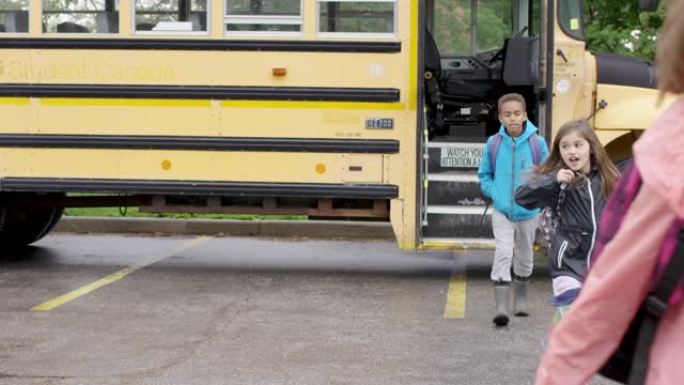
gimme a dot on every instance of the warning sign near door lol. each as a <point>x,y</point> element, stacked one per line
<point>462,155</point>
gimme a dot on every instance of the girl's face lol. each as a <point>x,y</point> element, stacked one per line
<point>575,152</point>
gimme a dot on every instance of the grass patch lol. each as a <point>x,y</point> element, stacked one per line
<point>135,213</point>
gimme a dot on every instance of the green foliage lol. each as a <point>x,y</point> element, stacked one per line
<point>494,24</point>
<point>453,22</point>
<point>452,26</point>
<point>611,26</point>
<point>618,26</point>
<point>14,5</point>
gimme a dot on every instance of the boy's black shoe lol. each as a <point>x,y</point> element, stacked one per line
<point>502,292</point>
<point>500,320</point>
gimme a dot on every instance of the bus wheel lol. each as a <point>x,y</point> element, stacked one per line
<point>23,225</point>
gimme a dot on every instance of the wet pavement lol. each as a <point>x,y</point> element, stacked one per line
<point>105,309</point>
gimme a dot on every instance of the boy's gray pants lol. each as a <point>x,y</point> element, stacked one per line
<point>513,245</point>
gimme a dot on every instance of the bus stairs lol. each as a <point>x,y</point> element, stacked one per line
<point>454,206</point>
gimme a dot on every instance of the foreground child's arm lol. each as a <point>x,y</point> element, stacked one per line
<point>540,191</point>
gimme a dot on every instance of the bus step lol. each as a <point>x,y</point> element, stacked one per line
<point>458,222</point>
<point>462,189</point>
<point>458,243</point>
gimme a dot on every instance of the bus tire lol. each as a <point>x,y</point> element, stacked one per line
<point>22,225</point>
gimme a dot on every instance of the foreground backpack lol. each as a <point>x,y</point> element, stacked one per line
<point>629,362</point>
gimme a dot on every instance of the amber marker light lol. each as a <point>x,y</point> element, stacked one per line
<point>166,165</point>
<point>320,168</point>
<point>279,71</point>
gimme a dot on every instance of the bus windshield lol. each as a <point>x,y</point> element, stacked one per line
<point>469,27</point>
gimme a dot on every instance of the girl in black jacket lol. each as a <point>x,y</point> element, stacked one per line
<point>574,182</point>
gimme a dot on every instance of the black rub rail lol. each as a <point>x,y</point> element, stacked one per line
<point>202,143</point>
<point>201,45</point>
<point>201,92</point>
<point>171,187</point>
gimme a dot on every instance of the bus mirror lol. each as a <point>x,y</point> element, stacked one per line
<point>648,5</point>
<point>521,61</point>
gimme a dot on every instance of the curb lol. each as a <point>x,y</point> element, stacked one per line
<point>218,227</point>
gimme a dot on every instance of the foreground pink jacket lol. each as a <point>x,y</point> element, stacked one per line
<point>622,276</point>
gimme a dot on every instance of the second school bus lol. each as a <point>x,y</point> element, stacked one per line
<point>373,109</point>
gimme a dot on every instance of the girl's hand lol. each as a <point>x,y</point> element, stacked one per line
<point>565,176</point>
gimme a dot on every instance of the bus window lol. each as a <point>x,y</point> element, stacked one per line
<point>171,16</point>
<point>357,16</point>
<point>570,18</point>
<point>269,16</point>
<point>81,16</point>
<point>14,16</point>
<point>458,32</point>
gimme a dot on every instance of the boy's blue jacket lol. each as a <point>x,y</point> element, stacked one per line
<point>513,165</point>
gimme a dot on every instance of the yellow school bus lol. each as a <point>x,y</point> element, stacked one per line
<point>368,109</point>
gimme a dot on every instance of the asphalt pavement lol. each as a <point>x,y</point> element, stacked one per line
<point>123,309</point>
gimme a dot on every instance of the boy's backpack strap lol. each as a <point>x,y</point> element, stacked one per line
<point>655,305</point>
<point>493,151</point>
<point>535,149</point>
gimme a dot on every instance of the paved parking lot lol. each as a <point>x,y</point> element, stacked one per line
<point>98,310</point>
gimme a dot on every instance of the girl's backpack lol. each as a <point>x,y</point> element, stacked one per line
<point>548,221</point>
<point>629,363</point>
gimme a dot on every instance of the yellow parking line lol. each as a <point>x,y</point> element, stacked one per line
<point>72,295</point>
<point>456,297</point>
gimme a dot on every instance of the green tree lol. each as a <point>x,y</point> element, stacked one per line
<point>452,26</point>
<point>618,26</point>
<point>494,24</point>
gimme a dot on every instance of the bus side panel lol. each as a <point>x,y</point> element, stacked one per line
<point>628,107</point>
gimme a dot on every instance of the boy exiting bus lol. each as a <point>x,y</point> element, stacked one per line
<point>508,155</point>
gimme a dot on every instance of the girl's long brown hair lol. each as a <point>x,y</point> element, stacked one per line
<point>598,157</point>
<point>671,50</point>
